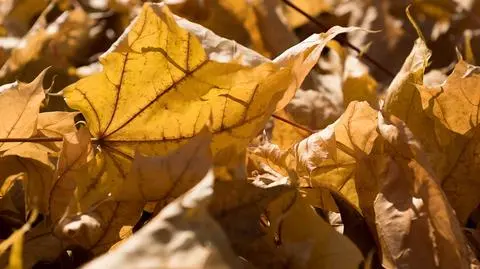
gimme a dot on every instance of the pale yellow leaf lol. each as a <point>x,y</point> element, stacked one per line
<point>20,121</point>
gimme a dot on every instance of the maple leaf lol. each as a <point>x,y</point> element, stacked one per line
<point>178,103</point>
<point>25,121</point>
<point>21,120</point>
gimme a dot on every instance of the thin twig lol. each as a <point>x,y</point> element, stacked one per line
<point>342,41</point>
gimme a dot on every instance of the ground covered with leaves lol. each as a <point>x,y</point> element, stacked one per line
<point>207,134</point>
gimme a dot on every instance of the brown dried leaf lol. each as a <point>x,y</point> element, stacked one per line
<point>415,223</point>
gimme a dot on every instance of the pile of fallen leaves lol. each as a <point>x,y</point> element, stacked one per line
<point>205,134</point>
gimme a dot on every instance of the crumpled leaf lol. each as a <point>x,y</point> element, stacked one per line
<point>404,101</point>
<point>182,235</point>
<point>328,159</point>
<point>452,107</point>
<point>415,223</point>
<point>379,180</point>
<point>448,113</point>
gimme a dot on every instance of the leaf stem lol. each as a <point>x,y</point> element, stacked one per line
<point>35,139</point>
<point>93,139</point>
<point>31,139</point>
<point>296,125</point>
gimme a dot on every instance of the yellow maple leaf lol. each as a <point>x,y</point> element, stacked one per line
<point>159,88</point>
